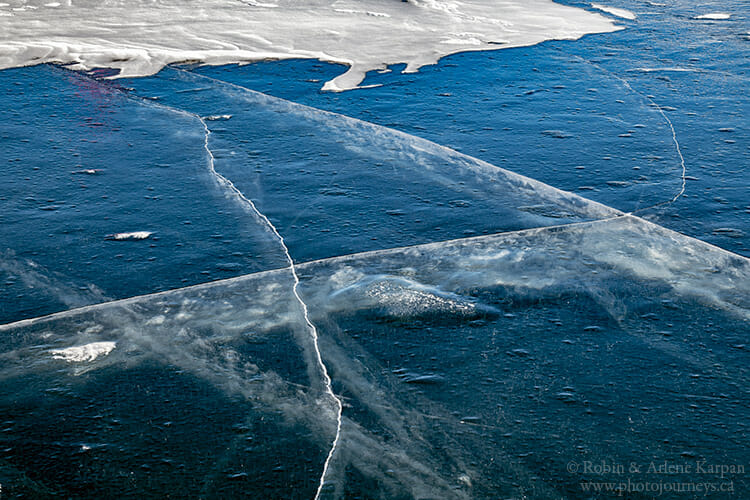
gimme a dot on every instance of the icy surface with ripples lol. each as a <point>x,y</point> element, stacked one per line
<point>463,283</point>
<point>454,360</point>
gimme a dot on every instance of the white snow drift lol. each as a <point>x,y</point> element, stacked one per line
<point>139,37</point>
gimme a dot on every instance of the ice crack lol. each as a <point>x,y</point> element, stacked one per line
<point>295,289</point>
<point>669,123</point>
<point>674,139</point>
<point>229,185</point>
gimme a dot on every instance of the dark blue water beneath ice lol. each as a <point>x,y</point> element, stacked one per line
<point>480,368</point>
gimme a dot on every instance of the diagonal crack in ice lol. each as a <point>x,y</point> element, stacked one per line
<point>674,140</point>
<point>669,123</point>
<point>371,253</point>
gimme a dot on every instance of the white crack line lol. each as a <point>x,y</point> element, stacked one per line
<point>311,327</point>
<point>666,119</point>
<point>295,289</point>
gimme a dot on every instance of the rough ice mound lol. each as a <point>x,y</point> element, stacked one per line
<point>507,346</point>
<point>134,37</point>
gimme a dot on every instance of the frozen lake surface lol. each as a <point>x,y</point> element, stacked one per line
<point>486,279</point>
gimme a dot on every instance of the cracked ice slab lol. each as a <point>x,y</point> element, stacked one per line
<point>335,185</point>
<point>614,302</point>
<point>151,201</point>
<point>332,185</point>
<point>134,37</point>
<point>313,341</point>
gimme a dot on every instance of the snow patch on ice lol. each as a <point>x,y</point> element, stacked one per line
<point>132,37</point>
<point>135,235</point>
<point>84,353</point>
<point>215,118</point>
<point>625,14</point>
<point>715,16</point>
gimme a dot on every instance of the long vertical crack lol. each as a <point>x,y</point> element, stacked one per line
<point>295,289</point>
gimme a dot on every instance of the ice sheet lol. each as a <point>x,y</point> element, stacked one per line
<point>479,367</point>
<point>332,185</point>
<point>134,37</point>
<point>351,185</point>
<point>92,208</point>
<point>448,391</point>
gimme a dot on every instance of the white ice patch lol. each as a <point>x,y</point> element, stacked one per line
<point>84,353</point>
<point>215,118</point>
<point>715,16</point>
<point>134,37</point>
<point>666,69</point>
<point>625,14</point>
<point>135,235</point>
